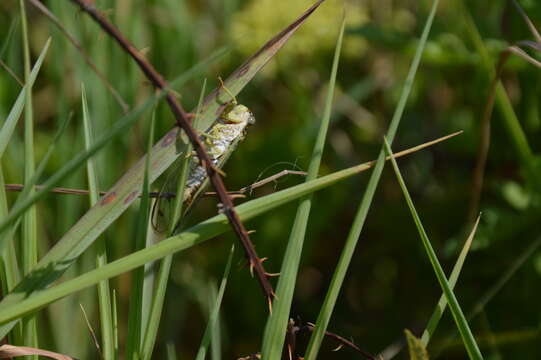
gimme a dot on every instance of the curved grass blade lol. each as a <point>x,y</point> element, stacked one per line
<point>273,339</point>
<point>358,223</point>
<point>462,324</point>
<point>104,292</point>
<point>127,189</point>
<point>16,305</point>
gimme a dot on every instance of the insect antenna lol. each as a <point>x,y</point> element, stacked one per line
<point>222,86</point>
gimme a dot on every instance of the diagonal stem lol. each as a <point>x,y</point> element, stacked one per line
<point>183,122</point>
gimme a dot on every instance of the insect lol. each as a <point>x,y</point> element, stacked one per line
<point>220,140</point>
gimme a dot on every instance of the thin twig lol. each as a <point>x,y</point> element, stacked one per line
<point>183,122</point>
<point>341,340</point>
<point>169,195</point>
<point>92,332</point>
<point>166,195</point>
<point>291,337</point>
<point>11,72</point>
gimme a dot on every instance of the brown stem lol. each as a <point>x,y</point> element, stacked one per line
<point>182,121</point>
<point>341,340</point>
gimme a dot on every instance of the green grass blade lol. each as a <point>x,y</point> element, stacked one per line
<point>358,223</point>
<point>185,169</point>
<point>10,272</point>
<point>509,117</point>
<point>213,318</point>
<point>498,286</point>
<point>417,350</point>
<point>135,322</point>
<point>9,36</point>
<point>13,117</point>
<point>507,275</point>
<point>215,333</point>
<point>114,310</point>
<point>442,303</point>
<point>104,292</point>
<point>162,278</point>
<point>18,303</point>
<point>273,339</point>
<point>29,236</point>
<point>458,315</point>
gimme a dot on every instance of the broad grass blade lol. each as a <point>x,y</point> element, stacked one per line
<point>273,339</point>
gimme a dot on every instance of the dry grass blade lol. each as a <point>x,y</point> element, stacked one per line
<point>528,22</point>
<point>9,351</point>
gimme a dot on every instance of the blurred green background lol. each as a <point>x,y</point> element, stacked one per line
<point>390,285</point>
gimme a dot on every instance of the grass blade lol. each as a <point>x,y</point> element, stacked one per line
<point>442,303</point>
<point>135,322</point>
<point>274,337</point>
<point>458,315</point>
<point>10,273</point>
<point>358,223</point>
<point>16,110</point>
<point>417,350</point>
<point>19,304</point>
<point>104,292</point>
<point>29,236</point>
<point>165,265</point>
<point>213,318</point>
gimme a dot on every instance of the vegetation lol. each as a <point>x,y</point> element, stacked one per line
<point>371,253</point>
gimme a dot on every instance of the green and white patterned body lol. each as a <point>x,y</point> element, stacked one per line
<point>225,133</point>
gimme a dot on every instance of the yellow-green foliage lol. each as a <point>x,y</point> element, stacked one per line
<point>416,349</point>
<point>259,20</point>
